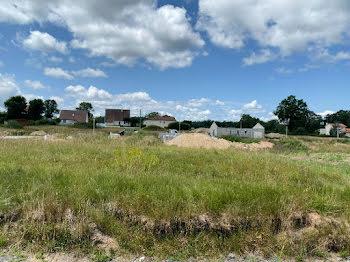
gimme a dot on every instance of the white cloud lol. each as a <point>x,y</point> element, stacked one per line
<point>289,26</point>
<point>264,56</point>
<point>283,70</point>
<point>8,88</point>
<point>325,56</point>
<point>55,59</point>
<point>44,42</point>
<point>89,72</point>
<point>32,97</point>
<point>252,106</point>
<point>35,84</point>
<point>124,31</point>
<point>57,73</point>
<point>325,113</point>
<point>71,59</point>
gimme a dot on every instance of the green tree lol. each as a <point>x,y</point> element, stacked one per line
<point>152,114</point>
<point>50,108</point>
<point>87,107</point>
<point>342,116</point>
<point>249,121</point>
<point>183,126</point>
<point>16,106</point>
<point>36,109</point>
<point>295,110</point>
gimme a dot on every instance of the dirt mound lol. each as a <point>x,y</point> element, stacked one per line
<point>201,131</point>
<point>274,135</point>
<point>38,133</point>
<point>196,140</point>
<point>4,133</point>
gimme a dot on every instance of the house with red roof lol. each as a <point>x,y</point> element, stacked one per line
<point>161,121</point>
<point>329,126</point>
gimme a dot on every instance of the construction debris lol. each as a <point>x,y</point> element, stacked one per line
<point>38,133</point>
<point>195,140</point>
<point>274,135</point>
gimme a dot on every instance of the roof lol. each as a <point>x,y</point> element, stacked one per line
<point>162,118</point>
<point>340,125</point>
<point>117,115</point>
<point>347,130</point>
<point>78,115</point>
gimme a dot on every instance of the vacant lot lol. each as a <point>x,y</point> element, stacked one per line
<point>134,195</point>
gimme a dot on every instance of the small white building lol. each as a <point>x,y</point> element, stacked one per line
<point>69,117</point>
<point>258,131</point>
<point>161,121</point>
<point>327,129</point>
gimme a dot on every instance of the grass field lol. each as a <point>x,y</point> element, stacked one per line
<point>290,201</point>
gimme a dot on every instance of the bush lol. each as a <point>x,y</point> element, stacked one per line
<point>13,124</point>
<point>183,126</point>
<point>246,140</point>
<point>300,131</point>
<point>41,122</point>
<point>153,128</point>
<point>290,144</point>
<point>3,117</point>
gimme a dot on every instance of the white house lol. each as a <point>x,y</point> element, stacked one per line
<point>258,131</point>
<point>69,117</point>
<point>327,129</point>
<point>161,121</point>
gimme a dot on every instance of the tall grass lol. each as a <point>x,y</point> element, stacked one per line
<point>142,177</point>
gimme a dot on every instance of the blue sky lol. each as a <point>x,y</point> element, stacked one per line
<point>194,59</point>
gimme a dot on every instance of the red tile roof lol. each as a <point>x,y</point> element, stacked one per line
<point>340,125</point>
<point>77,115</point>
<point>347,130</point>
<point>117,115</point>
<point>162,118</point>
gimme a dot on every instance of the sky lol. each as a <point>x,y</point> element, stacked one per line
<point>193,59</point>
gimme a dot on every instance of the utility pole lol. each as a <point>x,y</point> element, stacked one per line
<point>179,125</point>
<point>93,125</point>
<point>286,130</point>
<point>140,120</point>
<point>337,127</point>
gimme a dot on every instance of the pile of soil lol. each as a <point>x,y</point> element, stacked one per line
<point>274,135</point>
<point>4,133</point>
<point>197,140</point>
<point>38,133</point>
<point>201,131</point>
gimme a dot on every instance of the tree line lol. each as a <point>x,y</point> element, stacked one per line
<point>290,111</point>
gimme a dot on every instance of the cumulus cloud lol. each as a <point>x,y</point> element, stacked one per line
<point>35,84</point>
<point>252,106</point>
<point>289,26</point>
<point>283,70</point>
<point>264,56</point>
<point>124,31</point>
<point>55,59</point>
<point>57,72</point>
<point>102,99</point>
<point>8,88</point>
<point>44,42</point>
<point>89,72</point>
<point>325,113</point>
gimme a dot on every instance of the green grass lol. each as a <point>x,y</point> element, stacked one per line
<point>245,140</point>
<point>41,180</point>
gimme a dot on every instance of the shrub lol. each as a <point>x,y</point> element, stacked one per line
<point>246,140</point>
<point>183,126</point>
<point>290,144</point>
<point>153,128</point>
<point>45,122</point>
<point>135,159</point>
<point>13,124</point>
